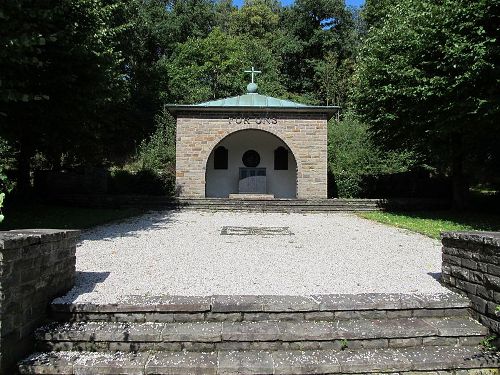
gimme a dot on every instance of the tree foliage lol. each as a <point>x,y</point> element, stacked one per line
<point>256,19</point>
<point>375,11</point>
<point>428,78</point>
<point>61,78</point>
<point>315,31</point>
<point>352,154</point>
<point>213,67</point>
<point>85,81</point>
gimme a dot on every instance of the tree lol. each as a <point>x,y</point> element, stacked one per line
<point>213,67</point>
<point>428,79</point>
<point>353,154</point>
<point>59,75</point>
<point>256,18</point>
<point>313,31</point>
<point>190,18</point>
<point>223,12</point>
<point>374,11</point>
<point>333,78</point>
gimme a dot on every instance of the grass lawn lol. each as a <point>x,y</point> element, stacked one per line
<point>432,223</point>
<point>60,217</point>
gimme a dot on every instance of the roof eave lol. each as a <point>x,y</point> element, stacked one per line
<point>330,111</point>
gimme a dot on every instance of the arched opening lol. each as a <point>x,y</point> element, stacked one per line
<point>251,166</point>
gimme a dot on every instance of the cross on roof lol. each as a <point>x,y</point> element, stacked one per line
<point>254,72</point>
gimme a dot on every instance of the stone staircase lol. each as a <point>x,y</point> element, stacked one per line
<point>283,205</point>
<point>257,205</point>
<point>328,334</point>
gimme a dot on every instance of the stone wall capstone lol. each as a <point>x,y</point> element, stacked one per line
<point>471,266</point>
<point>199,133</point>
<point>35,267</point>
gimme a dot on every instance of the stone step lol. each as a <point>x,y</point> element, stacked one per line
<point>258,308</point>
<point>395,361</point>
<point>271,206</point>
<point>283,205</point>
<point>283,209</point>
<point>283,202</point>
<point>301,205</point>
<point>203,336</point>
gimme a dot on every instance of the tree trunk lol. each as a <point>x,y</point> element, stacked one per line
<point>459,186</point>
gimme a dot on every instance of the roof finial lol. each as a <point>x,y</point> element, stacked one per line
<point>252,87</point>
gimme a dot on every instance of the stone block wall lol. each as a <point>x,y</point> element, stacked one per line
<point>35,267</point>
<point>199,133</point>
<point>471,266</point>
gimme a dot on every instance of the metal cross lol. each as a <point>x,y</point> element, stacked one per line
<point>253,71</point>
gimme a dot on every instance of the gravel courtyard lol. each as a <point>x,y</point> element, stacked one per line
<point>195,253</point>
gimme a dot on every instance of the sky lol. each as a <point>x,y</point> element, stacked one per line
<point>288,2</point>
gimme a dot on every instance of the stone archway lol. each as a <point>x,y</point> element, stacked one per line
<point>198,133</point>
<point>224,177</point>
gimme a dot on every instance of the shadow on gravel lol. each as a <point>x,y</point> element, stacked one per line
<point>85,282</point>
<point>435,275</point>
<point>131,227</point>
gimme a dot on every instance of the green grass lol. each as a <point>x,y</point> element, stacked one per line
<point>433,223</point>
<point>60,217</point>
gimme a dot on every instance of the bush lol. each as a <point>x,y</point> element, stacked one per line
<point>417,183</point>
<point>144,182</point>
<point>352,155</point>
<point>153,170</point>
<point>157,153</point>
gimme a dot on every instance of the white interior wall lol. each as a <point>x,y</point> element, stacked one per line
<point>221,183</point>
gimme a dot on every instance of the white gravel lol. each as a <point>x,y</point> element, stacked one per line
<point>184,253</point>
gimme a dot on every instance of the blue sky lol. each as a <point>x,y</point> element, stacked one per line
<point>288,2</point>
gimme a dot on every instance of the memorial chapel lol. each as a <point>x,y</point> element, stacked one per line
<point>252,146</point>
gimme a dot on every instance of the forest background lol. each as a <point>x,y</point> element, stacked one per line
<point>83,84</point>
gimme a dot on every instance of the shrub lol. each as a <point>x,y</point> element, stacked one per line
<point>152,171</point>
<point>352,154</point>
<point>157,153</point>
<point>141,182</point>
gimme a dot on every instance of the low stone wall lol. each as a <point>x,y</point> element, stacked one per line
<point>471,266</point>
<point>35,267</point>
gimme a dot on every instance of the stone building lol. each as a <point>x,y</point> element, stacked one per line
<point>252,145</point>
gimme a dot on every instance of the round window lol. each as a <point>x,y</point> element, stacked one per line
<point>251,159</point>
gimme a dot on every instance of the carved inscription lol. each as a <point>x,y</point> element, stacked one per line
<point>253,120</point>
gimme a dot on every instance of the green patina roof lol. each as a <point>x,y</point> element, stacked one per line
<point>251,100</point>
<point>252,103</point>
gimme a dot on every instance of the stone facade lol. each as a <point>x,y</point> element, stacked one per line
<point>471,266</point>
<point>35,267</point>
<point>198,133</point>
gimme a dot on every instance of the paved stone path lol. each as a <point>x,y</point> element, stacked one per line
<point>209,253</point>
